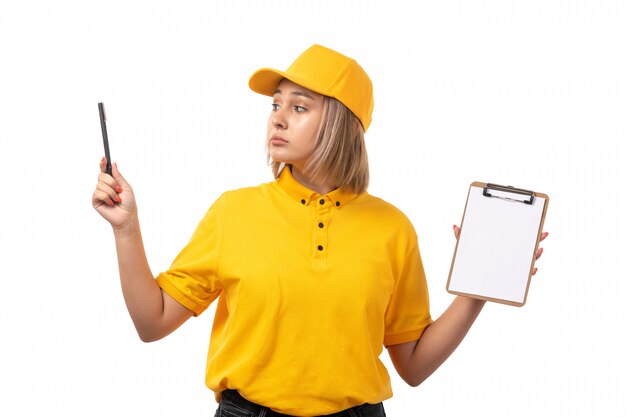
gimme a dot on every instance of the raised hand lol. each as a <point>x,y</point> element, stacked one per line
<point>113,197</point>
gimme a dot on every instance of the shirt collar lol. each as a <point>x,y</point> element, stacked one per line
<point>338,197</point>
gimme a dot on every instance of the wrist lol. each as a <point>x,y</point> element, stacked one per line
<point>127,229</point>
<point>471,304</point>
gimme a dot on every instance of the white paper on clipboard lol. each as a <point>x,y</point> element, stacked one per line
<point>500,233</point>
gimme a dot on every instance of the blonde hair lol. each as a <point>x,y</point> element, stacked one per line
<point>340,157</point>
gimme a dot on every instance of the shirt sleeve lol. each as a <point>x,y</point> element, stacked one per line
<point>408,311</point>
<point>193,278</point>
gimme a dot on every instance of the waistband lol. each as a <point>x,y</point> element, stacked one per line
<point>234,397</point>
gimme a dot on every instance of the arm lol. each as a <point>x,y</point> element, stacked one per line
<point>154,313</point>
<point>418,359</point>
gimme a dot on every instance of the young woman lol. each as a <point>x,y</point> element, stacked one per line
<point>314,275</point>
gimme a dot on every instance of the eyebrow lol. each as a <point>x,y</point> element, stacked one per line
<point>295,93</point>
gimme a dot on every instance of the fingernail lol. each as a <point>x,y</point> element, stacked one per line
<point>110,202</point>
<point>118,189</point>
<point>118,199</point>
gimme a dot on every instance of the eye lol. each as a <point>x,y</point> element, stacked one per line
<point>299,109</point>
<point>275,106</point>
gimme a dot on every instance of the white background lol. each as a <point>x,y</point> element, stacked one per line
<point>526,93</point>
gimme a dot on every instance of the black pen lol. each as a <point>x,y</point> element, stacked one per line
<point>105,137</point>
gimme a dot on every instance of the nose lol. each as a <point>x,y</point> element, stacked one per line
<point>278,119</point>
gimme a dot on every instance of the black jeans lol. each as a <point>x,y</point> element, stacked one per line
<point>234,405</point>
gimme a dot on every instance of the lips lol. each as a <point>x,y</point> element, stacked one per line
<point>277,140</point>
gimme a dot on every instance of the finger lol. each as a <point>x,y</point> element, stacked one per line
<point>100,197</point>
<point>104,176</point>
<point>535,270</point>
<point>108,180</point>
<point>456,230</point>
<point>119,178</point>
<point>110,192</point>
<point>103,164</point>
<point>538,253</point>
<point>543,236</point>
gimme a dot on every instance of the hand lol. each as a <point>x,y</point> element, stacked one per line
<point>540,250</point>
<point>114,198</point>
<point>457,232</point>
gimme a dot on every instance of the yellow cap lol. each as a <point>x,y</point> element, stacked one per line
<point>326,72</point>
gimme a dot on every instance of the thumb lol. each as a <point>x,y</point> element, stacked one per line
<point>118,177</point>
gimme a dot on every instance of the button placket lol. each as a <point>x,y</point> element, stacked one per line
<point>320,241</point>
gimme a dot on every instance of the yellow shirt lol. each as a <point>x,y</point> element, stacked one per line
<point>310,289</point>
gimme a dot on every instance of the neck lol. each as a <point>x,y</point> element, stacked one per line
<point>304,179</point>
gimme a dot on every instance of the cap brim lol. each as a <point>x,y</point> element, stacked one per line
<point>266,80</point>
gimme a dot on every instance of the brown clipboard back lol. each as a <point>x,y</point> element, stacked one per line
<point>500,234</point>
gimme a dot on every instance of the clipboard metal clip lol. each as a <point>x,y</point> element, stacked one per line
<point>508,189</point>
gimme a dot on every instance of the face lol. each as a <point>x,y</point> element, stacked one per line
<point>293,124</point>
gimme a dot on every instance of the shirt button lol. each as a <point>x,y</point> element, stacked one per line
<point>320,248</point>
<point>337,203</point>
<point>303,201</point>
<point>322,201</point>
<point>320,225</point>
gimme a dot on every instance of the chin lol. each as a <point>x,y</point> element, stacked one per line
<point>278,158</point>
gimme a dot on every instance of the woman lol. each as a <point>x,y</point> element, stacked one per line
<point>314,275</point>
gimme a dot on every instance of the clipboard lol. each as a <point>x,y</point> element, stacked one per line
<point>495,252</point>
